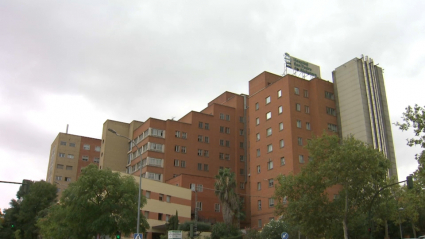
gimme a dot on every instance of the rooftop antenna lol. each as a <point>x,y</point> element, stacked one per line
<point>67,126</point>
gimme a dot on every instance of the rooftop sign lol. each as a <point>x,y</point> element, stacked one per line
<point>302,66</point>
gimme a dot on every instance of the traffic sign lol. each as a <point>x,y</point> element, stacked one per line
<point>175,234</point>
<point>138,236</point>
<point>284,235</point>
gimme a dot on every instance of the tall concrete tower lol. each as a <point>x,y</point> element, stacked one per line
<point>362,108</point>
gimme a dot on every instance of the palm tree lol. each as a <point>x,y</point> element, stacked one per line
<point>225,185</point>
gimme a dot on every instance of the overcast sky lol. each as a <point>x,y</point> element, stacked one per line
<point>82,62</point>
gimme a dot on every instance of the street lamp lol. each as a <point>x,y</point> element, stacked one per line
<point>140,177</point>
<point>399,220</point>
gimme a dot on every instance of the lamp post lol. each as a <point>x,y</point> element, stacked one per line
<point>140,178</point>
<point>399,220</point>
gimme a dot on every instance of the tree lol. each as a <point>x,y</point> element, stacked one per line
<point>225,186</point>
<point>224,230</point>
<point>350,165</point>
<point>40,196</point>
<point>274,229</point>
<point>201,226</point>
<point>99,202</point>
<point>173,222</point>
<point>10,220</point>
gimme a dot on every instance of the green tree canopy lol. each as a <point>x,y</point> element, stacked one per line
<point>224,230</point>
<point>99,202</point>
<point>274,229</point>
<point>349,166</point>
<point>225,189</point>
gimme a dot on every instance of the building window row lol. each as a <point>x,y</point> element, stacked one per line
<point>330,111</point>
<point>205,168</point>
<point>182,135</point>
<point>329,95</point>
<point>153,176</point>
<point>224,156</point>
<point>202,152</point>
<point>70,144</point>
<point>297,92</point>
<point>333,127</point>
<point>224,117</point>
<point>223,142</point>
<point>61,166</point>
<point>201,125</point>
<point>149,132</point>
<point>66,179</point>
<point>224,130</point>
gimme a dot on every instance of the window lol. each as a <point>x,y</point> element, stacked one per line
<point>177,148</point>
<point>270,165</point>
<point>279,93</point>
<point>70,156</point>
<point>301,158</point>
<point>258,152</point>
<point>227,157</point>
<point>269,148</point>
<point>222,116</point>
<point>183,164</point>
<point>160,216</point>
<point>306,93</point>
<point>192,187</point>
<point>298,123</point>
<point>257,106</point>
<point>177,134</point>
<point>242,185</point>
<point>241,145</point>
<point>207,126</point>
<point>227,130</point>
<point>271,182</point>
<point>280,109</point>
<point>271,202</point>
<point>221,142</point>
<point>86,147</point>
<point>258,136</point>
<point>59,166</point>
<point>227,143</point>
<point>161,197</point>
<point>329,95</point>
<point>281,143</point>
<point>307,125</point>
<point>241,158</point>
<point>258,169</point>
<point>240,131</point>
<point>257,121</point>
<point>200,138</point>
<point>199,206</point>
<point>146,214</point>
<point>148,194</point>
<point>297,91</point>
<point>221,155</point>
<point>207,139</point>
<point>269,131</point>
<point>85,158</point>
<point>67,179</point>
<point>307,109</point>
<point>206,153</point>
<point>268,99</point>
<point>300,141</point>
<point>200,125</point>
<point>268,115</point>
<point>176,162</point>
<point>217,207</point>
<point>259,206</point>
<point>71,144</point>
<point>282,161</point>
<point>168,198</point>
<point>241,119</point>
<point>61,155</point>
<point>260,223</point>
<point>298,107</point>
<point>241,171</point>
<point>280,126</point>
<point>330,111</point>
<point>228,117</point>
<point>184,135</point>
<point>259,186</point>
<point>221,129</point>
<point>96,160</point>
<point>68,167</point>
<point>167,217</point>
<point>199,166</point>
<point>199,152</point>
<point>58,178</point>
<point>184,149</point>
<point>333,127</point>
<point>63,143</point>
